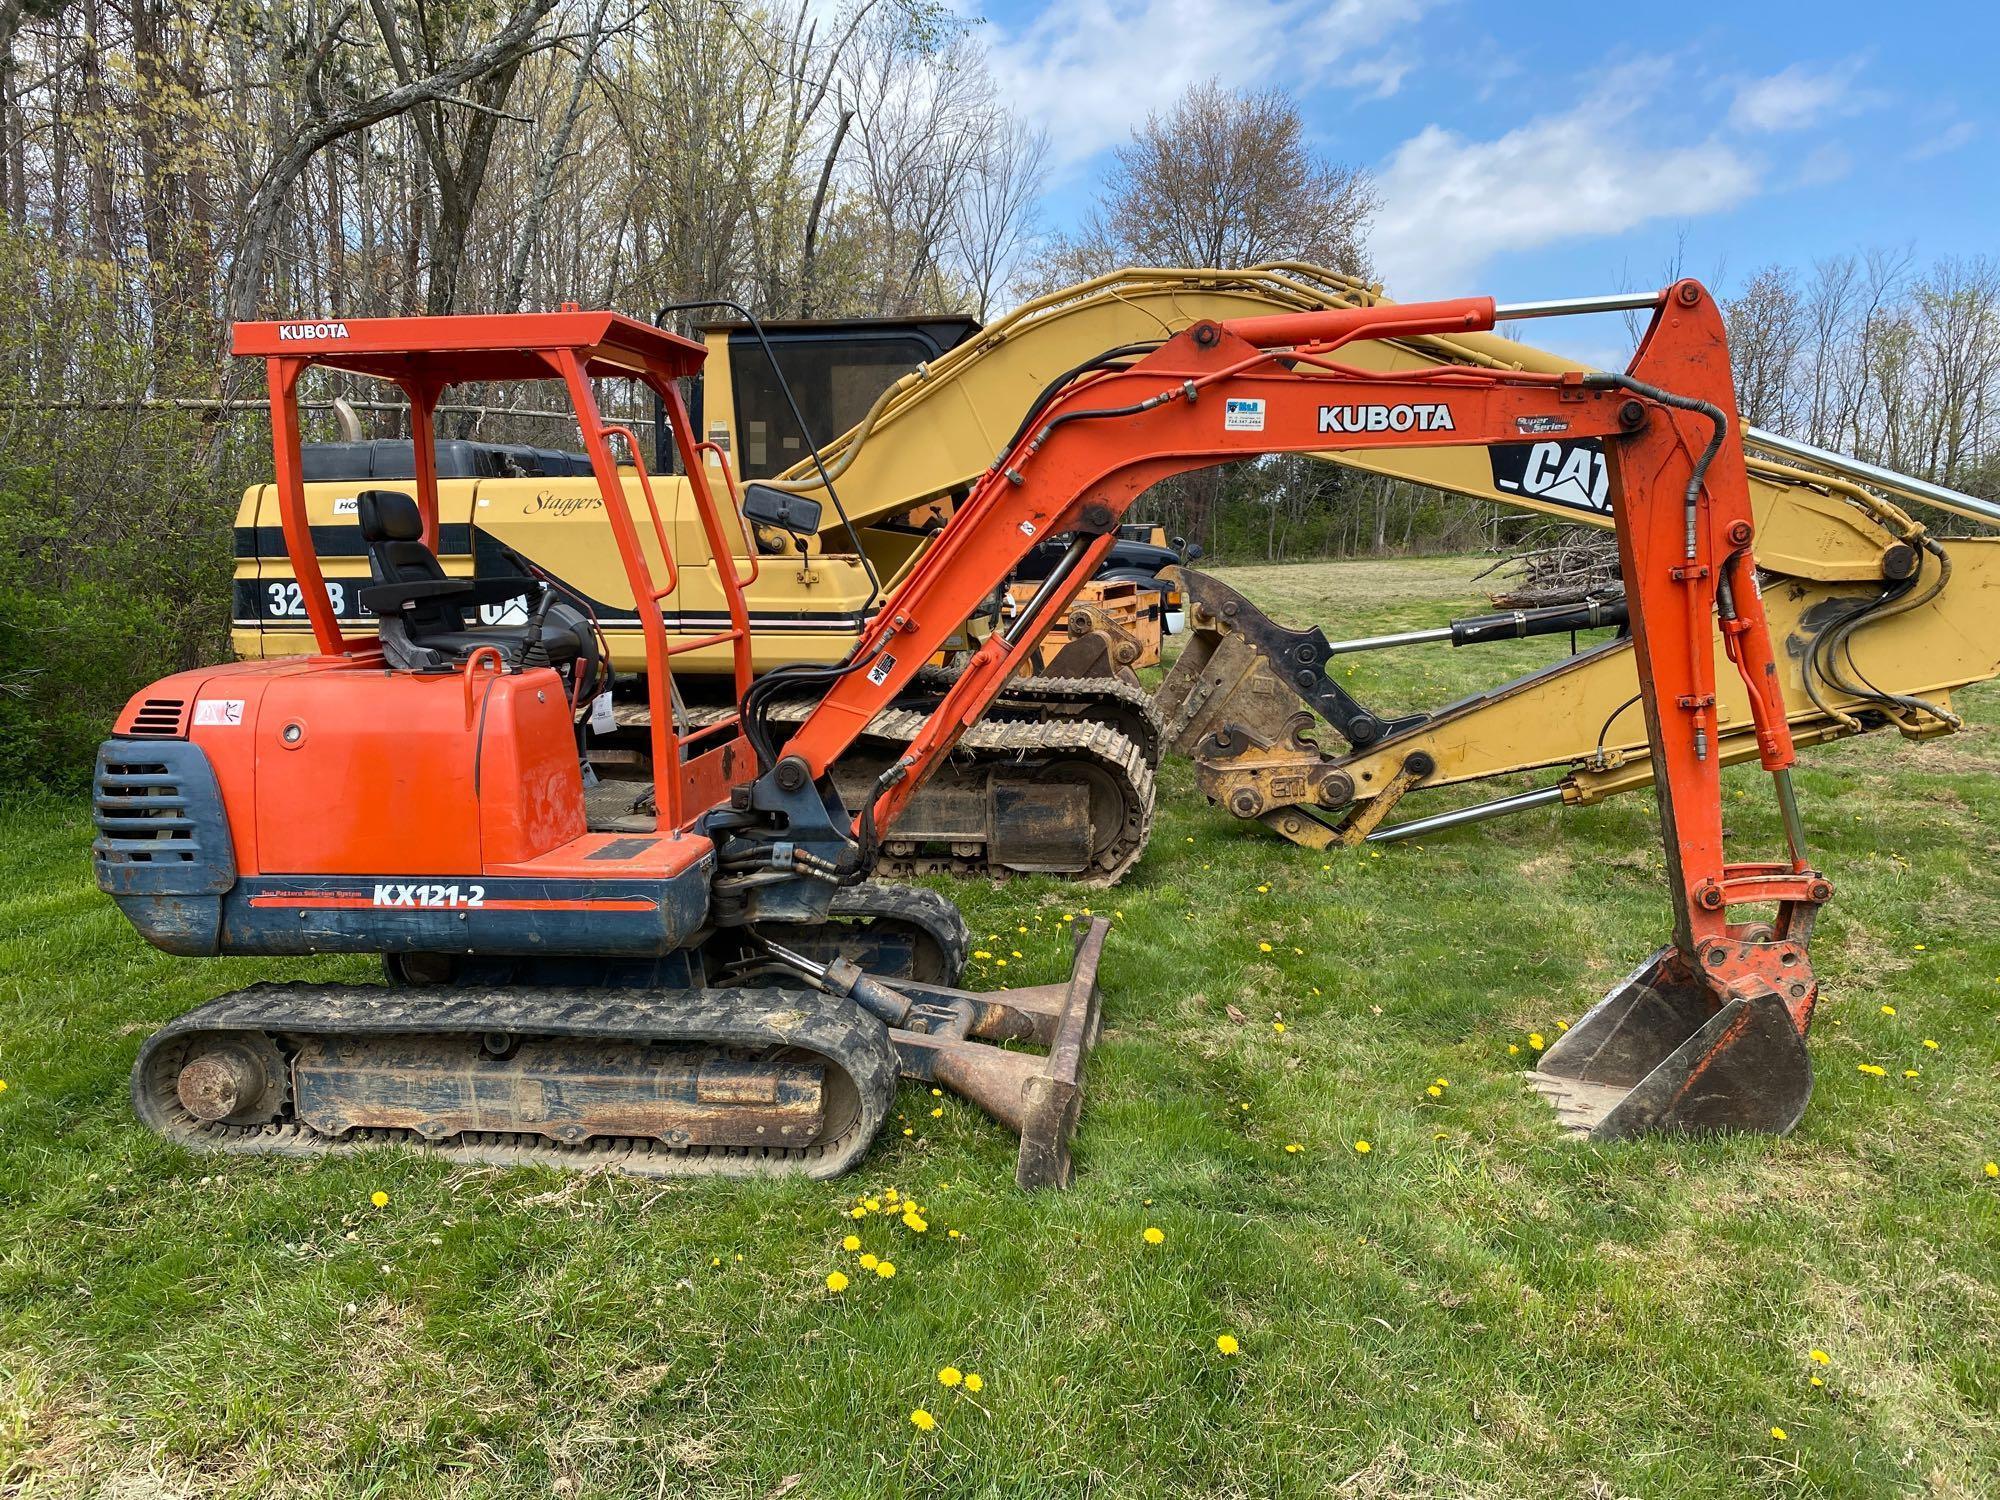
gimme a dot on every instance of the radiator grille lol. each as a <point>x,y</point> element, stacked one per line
<point>142,815</point>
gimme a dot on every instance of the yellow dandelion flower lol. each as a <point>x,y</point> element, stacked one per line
<point>1263,947</point>
<point>1000,963</point>
<point>949,1376</point>
<point>939,1094</point>
<point>1020,929</point>
<point>872,1204</point>
<point>851,1243</point>
<point>1443,1083</point>
<point>1435,1092</point>
<point>954,1234</point>
<point>1153,1236</point>
<point>3,1085</point>
<point>869,1262</point>
<point>909,1130</point>
<point>1513,1050</point>
<point>1930,1045</point>
<point>1562,1026</point>
<point>379,1198</point>
<point>857,1212</point>
<point>1779,1433</point>
<point>1820,1357</point>
<point>937,1114</point>
<point>1817,1381</point>
<point>885,1269</point>
<point>981,953</point>
<point>1278,1027</point>
<point>1888,1010</point>
<point>1069,916</point>
<point>715,1260</point>
<point>836,1281</point>
<point>1244,1105</point>
<point>1226,1342</point>
<point>922,1420</point>
<point>1263,890</point>
<point>1911,1073</point>
<point>1293,1148</point>
<point>1871,1070</point>
<point>915,1224</point>
<point>1993,1169</point>
<point>1363,1148</point>
<point>1537,1040</point>
<point>974,1382</point>
<point>1919,947</point>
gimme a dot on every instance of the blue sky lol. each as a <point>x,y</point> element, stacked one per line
<point>1532,150</point>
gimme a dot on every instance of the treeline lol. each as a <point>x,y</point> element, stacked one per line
<point>167,166</point>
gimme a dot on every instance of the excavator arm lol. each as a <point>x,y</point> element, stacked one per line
<point>1709,1032</point>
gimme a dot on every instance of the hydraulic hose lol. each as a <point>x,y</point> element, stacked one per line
<point>1605,380</point>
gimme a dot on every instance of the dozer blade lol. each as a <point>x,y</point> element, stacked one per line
<point>1038,1097</point>
<point>1656,1054</point>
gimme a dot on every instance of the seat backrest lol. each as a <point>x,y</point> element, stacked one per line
<point>393,527</point>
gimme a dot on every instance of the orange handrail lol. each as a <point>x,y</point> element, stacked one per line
<point>736,505</point>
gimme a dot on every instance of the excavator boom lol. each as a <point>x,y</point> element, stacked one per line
<point>1709,1032</point>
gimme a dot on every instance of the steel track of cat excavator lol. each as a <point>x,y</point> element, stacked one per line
<point>1057,779</point>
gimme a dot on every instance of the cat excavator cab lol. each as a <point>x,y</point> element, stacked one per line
<point>724,991</point>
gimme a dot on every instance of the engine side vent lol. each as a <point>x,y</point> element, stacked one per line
<point>160,719</point>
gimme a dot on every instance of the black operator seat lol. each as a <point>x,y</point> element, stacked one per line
<point>420,610</point>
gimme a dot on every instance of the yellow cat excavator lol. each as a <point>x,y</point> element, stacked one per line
<point>1878,621</point>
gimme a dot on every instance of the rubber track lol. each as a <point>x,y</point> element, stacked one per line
<point>840,1033</point>
<point>935,915</point>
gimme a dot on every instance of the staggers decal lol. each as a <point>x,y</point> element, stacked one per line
<point>429,895</point>
<point>1570,474</point>
<point>289,331</point>
<point>1409,416</point>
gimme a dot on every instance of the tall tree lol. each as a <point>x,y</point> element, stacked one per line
<point>1224,179</point>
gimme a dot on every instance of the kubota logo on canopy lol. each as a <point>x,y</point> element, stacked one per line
<point>289,331</point>
<point>1418,416</point>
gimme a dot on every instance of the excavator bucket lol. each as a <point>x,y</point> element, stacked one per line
<point>1658,1054</point>
<point>949,1043</point>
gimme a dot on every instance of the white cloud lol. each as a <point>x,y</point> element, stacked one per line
<point>1949,139</point>
<point>1449,204</point>
<point>1799,97</point>
<point>1091,70</point>
<point>1824,164</point>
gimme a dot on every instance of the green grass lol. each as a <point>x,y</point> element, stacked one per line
<point>1475,1307</point>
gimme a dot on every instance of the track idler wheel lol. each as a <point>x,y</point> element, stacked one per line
<point>1659,1054</point>
<point>231,1080</point>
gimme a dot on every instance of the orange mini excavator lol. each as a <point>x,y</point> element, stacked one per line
<point>726,992</point>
